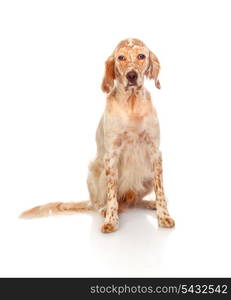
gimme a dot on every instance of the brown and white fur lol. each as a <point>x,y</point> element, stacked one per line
<point>128,164</point>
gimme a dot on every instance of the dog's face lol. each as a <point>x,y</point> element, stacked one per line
<point>129,64</point>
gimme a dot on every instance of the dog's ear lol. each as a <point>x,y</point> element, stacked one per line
<point>153,69</point>
<point>109,75</point>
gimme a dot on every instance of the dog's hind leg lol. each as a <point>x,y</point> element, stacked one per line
<point>150,204</point>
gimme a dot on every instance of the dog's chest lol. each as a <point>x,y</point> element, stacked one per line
<point>135,167</point>
<point>139,129</point>
<point>132,123</point>
<point>134,132</point>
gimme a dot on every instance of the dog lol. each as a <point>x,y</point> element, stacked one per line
<point>128,164</point>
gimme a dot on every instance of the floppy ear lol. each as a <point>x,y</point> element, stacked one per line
<point>153,69</point>
<point>109,75</point>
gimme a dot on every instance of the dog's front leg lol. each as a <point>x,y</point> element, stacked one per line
<point>111,170</point>
<point>164,219</point>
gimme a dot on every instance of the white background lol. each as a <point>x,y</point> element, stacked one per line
<point>52,56</point>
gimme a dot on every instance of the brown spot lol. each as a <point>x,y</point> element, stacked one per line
<point>126,43</point>
<point>142,134</point>
<point>108,227</point>
<point>167,222</point>
<point>117,142</point>
<point>96,167</point>
<point>110,181</point>
<point>127,200</point>
<point>132,100</point>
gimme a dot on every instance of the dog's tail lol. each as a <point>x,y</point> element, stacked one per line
<point>55,208</point>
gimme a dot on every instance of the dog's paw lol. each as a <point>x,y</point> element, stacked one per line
<point>151,205</point>
<point>166,222</point>
<point>108,227</point>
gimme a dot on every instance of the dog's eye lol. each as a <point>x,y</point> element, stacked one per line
<point>121,57</point>
<point>141,56</point>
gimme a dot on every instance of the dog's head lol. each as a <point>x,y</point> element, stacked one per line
<point>130,62</point>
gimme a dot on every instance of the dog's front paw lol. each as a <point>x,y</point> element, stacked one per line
<point>108,227</point>
<point>166,222</point>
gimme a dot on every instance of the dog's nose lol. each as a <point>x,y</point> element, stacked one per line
<point>131,76</point>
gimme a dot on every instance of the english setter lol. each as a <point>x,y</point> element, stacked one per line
<point>128,164</point>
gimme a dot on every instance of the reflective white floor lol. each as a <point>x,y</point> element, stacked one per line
<point>74,246</point>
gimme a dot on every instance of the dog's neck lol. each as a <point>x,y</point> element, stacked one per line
<point>135,101</point>
<point>126,93</point>
<point>132,104</point>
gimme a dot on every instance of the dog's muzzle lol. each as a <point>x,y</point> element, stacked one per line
<point>132,77</point>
